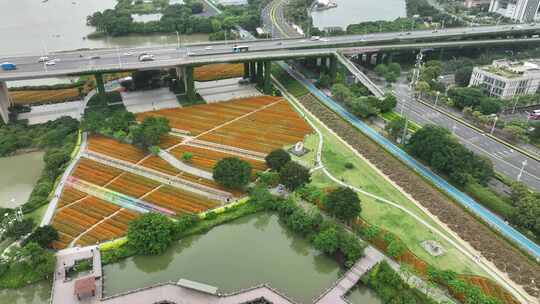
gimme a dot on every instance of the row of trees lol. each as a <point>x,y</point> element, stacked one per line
<point>390,71</point>
<point>363,106</point>
<point>435,146</point>
<point>526,208</point>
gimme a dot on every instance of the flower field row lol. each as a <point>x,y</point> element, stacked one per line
<point>69,195</point>
<point>181,202</point>
<point>218,71</point>
<point>95,172</point>
<point>206,159</point>
<point>113,148</point>
<point>200,118</point>
<point>111,228</point>
<point>44,96</point>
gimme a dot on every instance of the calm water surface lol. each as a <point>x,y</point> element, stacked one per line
<point>356,11</point>
<point>39,293</point>
<point>31,26</point>
<point>252,250</point>
<point>363,295</point>
<point>18,177</point>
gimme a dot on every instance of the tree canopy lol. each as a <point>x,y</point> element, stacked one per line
<point>435,146</point>
<point>43,236</point>
<point>277,159</point>
<point>149,132</point>
<point>293,175</point>
<point>232,172</point>
<point>151,233</point>
<point>343,203</point>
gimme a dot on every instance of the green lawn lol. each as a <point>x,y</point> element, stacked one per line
<point>37,214</point>
<point>336,155</point>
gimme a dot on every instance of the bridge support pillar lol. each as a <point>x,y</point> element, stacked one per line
<point>333,68</point>
<point>5,102</point>
<point>189,83</point>
<point>267,87</point>
<point>260,73</point>
<point>246,70</point>
<point>378,58</point>
<point>100,85</point>
<point>252,71</point>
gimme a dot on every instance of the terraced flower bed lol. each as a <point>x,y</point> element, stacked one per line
<point>44,96</point>
<point>206,159</point>
<point>520,268</point>
<point>199,118</point>
<point>218,71</point>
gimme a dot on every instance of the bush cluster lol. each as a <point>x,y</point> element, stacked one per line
<point>361,105</point>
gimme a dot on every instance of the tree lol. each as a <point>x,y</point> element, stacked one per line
<point>327,241</point>
<point>388,103</point>
<point>462,76</point>
<point>293,175</point>
<point>197,7</point>
<point>151,233</point>
<point>187,157</point>
<point>343,203</point>
<point>489,105</point>
<point>150,131</point>
<point>43,236</point>
<point>381,69</point>
<point>20,228</point>
<point>277,159</point>
<point>395,128</point>
<point>55,159</point>
<point>527,213</point>
<point>422,87</point>
<point>232,172</point>
<point>466,97</point>
<point>341,92</point>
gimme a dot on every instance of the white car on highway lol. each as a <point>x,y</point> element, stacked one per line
<point>146,57</point>
<point>43,59</point>
<point>50,62</point>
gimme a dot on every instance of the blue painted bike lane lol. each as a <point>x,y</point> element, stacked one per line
<point>493,220</point>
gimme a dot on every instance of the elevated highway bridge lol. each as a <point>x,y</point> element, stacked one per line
<point>257,59</point>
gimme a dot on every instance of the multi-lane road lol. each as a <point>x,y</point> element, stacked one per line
<point>169,55</point>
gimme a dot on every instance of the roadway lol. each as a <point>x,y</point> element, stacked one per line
<point>506,160</point>
<point>169,55</point>
<point>69,63</point>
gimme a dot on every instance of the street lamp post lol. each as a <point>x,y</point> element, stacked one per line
<point>454,127</point>
<point>523,164</point>
<point>515,105</point>
<point>494,124</point>
<point>437,98</point>
<point>177,40</point>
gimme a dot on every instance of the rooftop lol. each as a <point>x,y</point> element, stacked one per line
<point>512,69</point>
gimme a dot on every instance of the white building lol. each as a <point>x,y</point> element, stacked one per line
<point>505,79</point>
<point>519,10</point>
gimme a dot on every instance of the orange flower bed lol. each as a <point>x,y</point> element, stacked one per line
<point>490,288</point>
<point>112,228</point>
<point>199,118</point>
<point>206,159</point>
<point>133,185</point>
<point>179,201</point>
<point>94,172</point>
<point>69,195</point>
<point>44,96</point>
<point>218,71</point>
<point>116,149</point>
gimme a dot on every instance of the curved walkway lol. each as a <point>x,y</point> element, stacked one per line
<point>463,247</point>
<point>466,201</point>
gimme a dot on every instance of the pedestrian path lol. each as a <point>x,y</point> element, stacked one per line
<point>466,201</point>
<point>173,161</point>
<point>336,294</point>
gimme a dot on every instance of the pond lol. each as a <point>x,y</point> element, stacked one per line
<point>39,293</point>
<point>249,251</point>
<point>19,175</point>
<point>363,295</point>
<point>356,11</point>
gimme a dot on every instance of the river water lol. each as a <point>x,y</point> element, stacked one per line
<point>18,177</point>
<point>252,250</point>
<point>356,11</point>
<point>33,26</point>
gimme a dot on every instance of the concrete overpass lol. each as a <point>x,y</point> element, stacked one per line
<point>257,59</point>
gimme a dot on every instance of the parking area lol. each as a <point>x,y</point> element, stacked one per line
<point>225,89</point>
<point>43,113</point>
